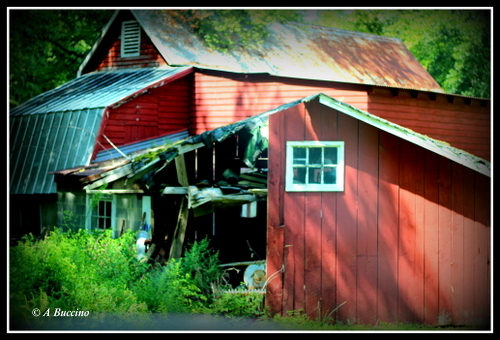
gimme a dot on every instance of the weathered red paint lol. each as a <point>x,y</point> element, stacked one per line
<point>222,98</point>
<point>164,109</point>
<point>407,241</point>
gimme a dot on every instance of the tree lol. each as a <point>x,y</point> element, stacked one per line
<point>226,30</point>
<point>453,45</point>
<point>46,47</point>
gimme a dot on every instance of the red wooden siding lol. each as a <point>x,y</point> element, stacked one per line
<point>222,98</point>
<point>462,122</point>
<point>161,111</point>
<point>408,240</point>
<point>149,56</point>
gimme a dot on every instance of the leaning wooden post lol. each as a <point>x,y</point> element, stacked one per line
<point>180,228</point>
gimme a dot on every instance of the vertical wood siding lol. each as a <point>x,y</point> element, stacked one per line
<point>408,240</point>
<point>161,111</point>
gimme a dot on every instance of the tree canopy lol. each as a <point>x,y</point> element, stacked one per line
<point>46,47</point>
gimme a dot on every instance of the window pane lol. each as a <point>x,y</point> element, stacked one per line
<point>314,175</point>
<point>331,155</point>
<point>315,156</point>
<point>330,175</point>
<point>299,156</point>
<point>299,175</point>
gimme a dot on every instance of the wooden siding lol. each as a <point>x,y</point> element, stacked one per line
<point>222,98</point>
<point>161,111</point>
<point>465,123</point>
<point>408,240</point>
<point>149,56</point>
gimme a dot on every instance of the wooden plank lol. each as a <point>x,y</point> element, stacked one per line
<point>366,279</point>
<point>457,245</point>
<point>444,235</point>
<point>407,233</point>
<point>469,247</point>
<point>419,273</point>
<point>175,191</point>
<point>180,230</point>
<point>347,215</point>
<point>388,227</point>
<point>431,222</point>
<point>293,283</point>
<point>482,275</point>
<point>275,227</point>
<point>312,230</point>
<point>116,191</point>
<point>111,176</point>
<point>329,227</point>
<point>180,166</point>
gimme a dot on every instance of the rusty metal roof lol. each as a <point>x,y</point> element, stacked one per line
<point>298,51</point>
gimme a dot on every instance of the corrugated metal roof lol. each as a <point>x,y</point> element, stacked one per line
<point>57,129</point>
<point>46,142</point>
<point>96,90</point>
<point>296,50</point>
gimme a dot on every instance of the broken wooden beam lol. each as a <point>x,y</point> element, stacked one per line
<point>115,191</point>
<point>175,191</point>
<point>180,230</point>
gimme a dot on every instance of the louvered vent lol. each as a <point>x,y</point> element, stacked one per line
<point>131,39</point>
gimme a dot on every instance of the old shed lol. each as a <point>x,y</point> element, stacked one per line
<point>404,235</point>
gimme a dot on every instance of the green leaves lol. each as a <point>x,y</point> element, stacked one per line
<point>46,48</point>
<point>227,30</point>
<point>453,45</point>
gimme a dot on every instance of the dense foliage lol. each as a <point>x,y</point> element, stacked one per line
<point>46,47</point>
<point>90,271</point>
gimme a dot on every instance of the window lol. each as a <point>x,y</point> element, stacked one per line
<point>101,215</point>
<point>131,39</point>
<point>315,166</point>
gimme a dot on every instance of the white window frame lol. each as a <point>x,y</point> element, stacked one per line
<point>92,206</point>
<point>130,39</point>
<point>317,187</point>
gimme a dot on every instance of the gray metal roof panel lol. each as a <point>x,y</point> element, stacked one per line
<point>43,143</point>
<point>95,90</point>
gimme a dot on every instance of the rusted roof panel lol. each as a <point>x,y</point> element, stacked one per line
<point>296,50</point>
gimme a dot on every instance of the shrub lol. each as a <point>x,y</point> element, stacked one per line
<point>74,269</point>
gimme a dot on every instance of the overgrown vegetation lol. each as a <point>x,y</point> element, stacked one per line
<point>89,271</point>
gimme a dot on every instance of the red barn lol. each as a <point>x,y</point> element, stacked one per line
<point>368,216</point>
